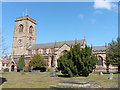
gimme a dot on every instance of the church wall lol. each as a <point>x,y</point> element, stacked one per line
<point>47,52</point>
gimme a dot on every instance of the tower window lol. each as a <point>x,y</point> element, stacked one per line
<point>30,29</point>
<point>20,28</point>
<point>30,39</point>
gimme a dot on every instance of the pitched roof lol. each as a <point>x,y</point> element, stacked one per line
<point>98,48</point>
<point>5,61</point>
<point>56,44</point>
<point>16,60</point>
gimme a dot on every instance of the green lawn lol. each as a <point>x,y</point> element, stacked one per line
<point>43,80</point>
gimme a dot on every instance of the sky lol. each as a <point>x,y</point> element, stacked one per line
<point>64,21</point>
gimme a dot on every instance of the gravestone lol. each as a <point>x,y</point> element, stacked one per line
<point>111,76</point>
<point>101,73</point>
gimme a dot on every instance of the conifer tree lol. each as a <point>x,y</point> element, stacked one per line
<point>78,61</point>
<point>21,63</point>
<point>113,53</point>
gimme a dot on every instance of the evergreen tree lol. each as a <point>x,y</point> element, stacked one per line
<point>77,61</point>
<point>107,61</point>
<point>37,61</point>
<point>21,63</point>
<point>113,53</point>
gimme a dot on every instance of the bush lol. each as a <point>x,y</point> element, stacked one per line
<point>42,69</point>
<point>77,62</point>
<point>6,70</point>
<point>37,61</point>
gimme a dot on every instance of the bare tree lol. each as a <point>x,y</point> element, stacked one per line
<point>3,48</point>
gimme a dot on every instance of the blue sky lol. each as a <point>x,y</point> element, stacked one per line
<point>62,21</point>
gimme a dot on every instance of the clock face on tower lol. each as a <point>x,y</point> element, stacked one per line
<point>20,41</point>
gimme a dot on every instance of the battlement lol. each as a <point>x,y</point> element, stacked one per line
<point>25,18</point>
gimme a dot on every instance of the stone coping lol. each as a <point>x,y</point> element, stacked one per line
<point>75,81</point>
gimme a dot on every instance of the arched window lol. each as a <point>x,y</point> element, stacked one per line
<point>30,29</point>
<point>20,28</point>
<point>100,62</point>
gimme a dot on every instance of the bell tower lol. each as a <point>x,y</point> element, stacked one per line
<point>24,35</point>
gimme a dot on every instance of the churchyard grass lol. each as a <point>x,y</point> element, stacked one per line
<point>43,80</point>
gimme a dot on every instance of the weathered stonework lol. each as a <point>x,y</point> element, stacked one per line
<point>23,39</point>
<point>24,43</point>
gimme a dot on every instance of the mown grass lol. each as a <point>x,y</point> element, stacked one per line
<point>43,80</point>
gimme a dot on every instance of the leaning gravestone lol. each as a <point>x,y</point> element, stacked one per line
<point>111,76</point>
<point>101,73</point>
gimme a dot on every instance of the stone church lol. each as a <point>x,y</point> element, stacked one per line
<point>24,43</point>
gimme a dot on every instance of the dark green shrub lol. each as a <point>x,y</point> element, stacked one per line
<point>21,63</point>
<point>37,61</point>
<point>77,62</point>
<point>6,70</point>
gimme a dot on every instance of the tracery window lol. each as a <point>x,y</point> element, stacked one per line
<point>100,60</point>
<point>20,28</point>
<point>30,29</point>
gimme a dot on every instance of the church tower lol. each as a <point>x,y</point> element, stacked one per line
<point>24,35</point>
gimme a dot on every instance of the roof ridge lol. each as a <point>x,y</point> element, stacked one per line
<point>59,42</point>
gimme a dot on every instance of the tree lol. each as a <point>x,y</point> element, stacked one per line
<point>3,47</point>
<point>107,62</point>
<point>37,61</point>
<point>113,53</point>
<point>21,63</point>
<point>78,61</point>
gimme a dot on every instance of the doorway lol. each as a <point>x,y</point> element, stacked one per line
<point>12,68</point>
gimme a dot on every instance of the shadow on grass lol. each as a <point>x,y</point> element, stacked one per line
<point>65,76</point>
<point>2,80</point>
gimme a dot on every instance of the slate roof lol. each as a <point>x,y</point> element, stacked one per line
<point>98,48</point>
<point>57,44</point>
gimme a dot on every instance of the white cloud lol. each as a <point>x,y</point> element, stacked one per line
<point>104,4</point>
<point>81,16</point>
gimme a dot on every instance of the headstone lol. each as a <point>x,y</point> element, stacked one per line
<point>101,73</point>
<point>52,72</point>
<point>111,76</point>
